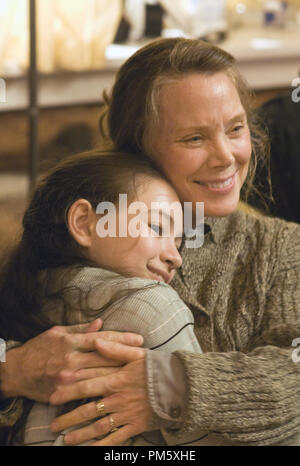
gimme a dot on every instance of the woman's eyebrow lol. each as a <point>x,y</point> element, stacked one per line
<point>239,116</point>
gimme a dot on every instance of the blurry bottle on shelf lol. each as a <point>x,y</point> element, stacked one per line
<point>255,14</point>
<point>141,19</point>
<point>82,32</point>
<point>200,19</point>
<point>292,15</point>
<point>245,13</point>
<point>274,13</point>
<point>135,14</point>
<point>154,18</point>
<point>210,20</point>
<point>13,37</point>
<point>237,13</point>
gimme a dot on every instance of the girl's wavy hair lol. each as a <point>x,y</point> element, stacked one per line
<point>46,242</point>
<point>131,111</point>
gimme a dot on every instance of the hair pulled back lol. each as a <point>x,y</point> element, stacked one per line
<point>132,109</point>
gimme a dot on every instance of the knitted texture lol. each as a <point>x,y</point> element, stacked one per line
<point>243,287</point>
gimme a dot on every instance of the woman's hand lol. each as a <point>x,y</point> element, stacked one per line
<point>58,357</point>
<point>125,398</point>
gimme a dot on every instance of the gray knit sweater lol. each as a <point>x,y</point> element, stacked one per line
<point>243,287</point>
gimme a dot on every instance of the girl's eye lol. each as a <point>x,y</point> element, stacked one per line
<point>178,242</point>
<point>156,228</point>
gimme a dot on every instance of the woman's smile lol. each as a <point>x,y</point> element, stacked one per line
<point>221,186</point>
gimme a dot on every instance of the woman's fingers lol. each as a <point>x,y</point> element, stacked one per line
<point>126,338</point>
<point>126,401</point>
<point>94,326</point>
<point>119,352</point>
<point>117,438</point>
<point>98,428</point>
<point>87,341</point>
<point>84,413</point>
<point>81,414</point>
<point>72,376</point>
<point>95,372</point>
<point>92,359</point>
<point>129,378</point>
<point>82,389</point>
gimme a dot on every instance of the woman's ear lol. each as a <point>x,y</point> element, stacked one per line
<point>81,221</point>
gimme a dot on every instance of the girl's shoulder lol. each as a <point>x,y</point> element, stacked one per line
<point>97,280</point>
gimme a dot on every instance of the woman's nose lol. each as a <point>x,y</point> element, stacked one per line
<point>220,154</point>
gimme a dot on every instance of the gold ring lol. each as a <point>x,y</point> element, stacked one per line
<point>100,408</point>
<point>113,427</point>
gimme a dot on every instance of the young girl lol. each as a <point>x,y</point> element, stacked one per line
<point>66,271</point>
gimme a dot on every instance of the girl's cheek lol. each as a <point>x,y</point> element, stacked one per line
<point>147,244</point>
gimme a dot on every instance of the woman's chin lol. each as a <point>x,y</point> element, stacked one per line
<point>221,209</point>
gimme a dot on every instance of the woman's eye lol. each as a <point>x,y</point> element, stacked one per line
<point>193,139</point>
<point>237,128</point>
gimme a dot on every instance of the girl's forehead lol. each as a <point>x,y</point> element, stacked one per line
<point>157,190</point>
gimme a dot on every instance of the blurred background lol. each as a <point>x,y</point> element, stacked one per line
<point>52,111</point>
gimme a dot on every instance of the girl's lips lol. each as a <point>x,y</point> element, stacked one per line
<point>160,275</point>
<point>223,186</point>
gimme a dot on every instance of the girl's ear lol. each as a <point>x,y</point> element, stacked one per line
<point>81,219</point>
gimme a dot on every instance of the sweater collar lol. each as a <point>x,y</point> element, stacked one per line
<point>214,227</point>
<point>213,230</point>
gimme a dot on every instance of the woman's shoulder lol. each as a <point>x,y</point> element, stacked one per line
<point>253,225</point>
<point>263,225</point>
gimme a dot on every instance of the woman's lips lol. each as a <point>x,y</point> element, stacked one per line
<point>222,186</point>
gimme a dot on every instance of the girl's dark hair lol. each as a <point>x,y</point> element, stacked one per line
<point>132,110</point>
<point>46,242</point>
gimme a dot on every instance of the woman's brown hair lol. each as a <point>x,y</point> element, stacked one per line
<point>46,242</point>
<point>131,111</point>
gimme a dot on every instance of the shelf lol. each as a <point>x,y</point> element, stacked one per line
<point>268,59</point>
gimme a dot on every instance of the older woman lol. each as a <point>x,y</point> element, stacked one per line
<point>184,104</point>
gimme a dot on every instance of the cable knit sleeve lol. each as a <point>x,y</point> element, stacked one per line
<point>254,398</point>
<point>10,412</point>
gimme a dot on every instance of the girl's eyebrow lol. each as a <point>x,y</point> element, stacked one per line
<point>168,218</point>
<point>178,241</point>
<point>164,214</point>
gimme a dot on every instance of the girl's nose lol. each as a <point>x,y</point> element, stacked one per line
<point>171,256</point>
